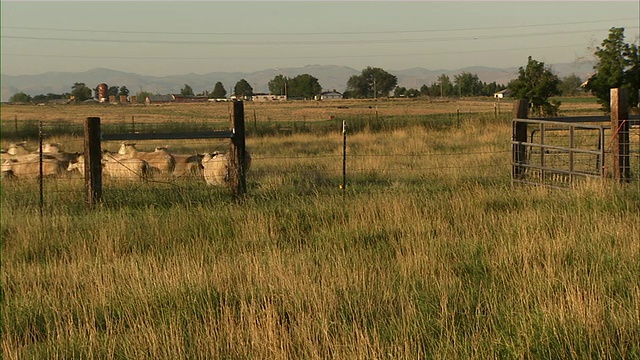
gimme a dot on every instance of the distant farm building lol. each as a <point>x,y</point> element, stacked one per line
<point>189,98</point>
<point>502,94</point>
<point>268,97</point>
<point>329,95</point>
<point>59,101</point>
<point>159,99</point>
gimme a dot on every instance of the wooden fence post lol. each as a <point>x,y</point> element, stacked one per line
<point>519,151</point>
<point>620,140</point>
<point>41,169</point>
<point>92,161</point>
<point>237,153</point>
<point>344,156</point>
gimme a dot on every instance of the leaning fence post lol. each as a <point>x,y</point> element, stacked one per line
<point>620,138</point>
<point>92,161</point>
<point>519,151</point>
<point>237,153</point>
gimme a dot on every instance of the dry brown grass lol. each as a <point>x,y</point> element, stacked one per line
<point>405,264</point>
<point>275,111</point>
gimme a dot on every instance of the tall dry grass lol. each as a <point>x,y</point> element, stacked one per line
<point>429,252</point>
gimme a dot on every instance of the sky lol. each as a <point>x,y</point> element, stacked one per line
<point>163,38</point>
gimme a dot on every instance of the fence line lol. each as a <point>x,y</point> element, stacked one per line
<point>356,165</point>
<point>236,154</point>
<point>335,170</point>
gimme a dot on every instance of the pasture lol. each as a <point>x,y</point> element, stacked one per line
<point>429,251</point>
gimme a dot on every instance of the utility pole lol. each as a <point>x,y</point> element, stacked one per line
<point>375,90</point>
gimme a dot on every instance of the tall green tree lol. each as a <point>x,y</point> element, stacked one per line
<point>278,85</point>
<point>219,92</point>
<point>20,98</point>
<point>303,86</point>
<point>570,85</point>
<point>446,87</point>
<point>618,66</point>
<point>113,91</point>
<point>412,93</point>
<point>186,90</point>
<point>80,91</point>
<point>358,87</point>
<point>536,83</point>
<point>399,91</point>
<point>242,88</point>
<point>424,90</point>
<point>491,88</point>
<point>468,84</point>
<point>123,91</point>
<point>142,95</point>
<point>371,83</point>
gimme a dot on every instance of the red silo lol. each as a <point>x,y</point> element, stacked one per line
<point>103,90</point>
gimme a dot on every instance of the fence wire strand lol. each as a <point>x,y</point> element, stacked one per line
<point>327,167</point>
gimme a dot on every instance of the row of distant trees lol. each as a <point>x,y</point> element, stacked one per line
<point>79,91</point>
<point>371,83</point>
<point>302,86</point>
<point>618,66</point>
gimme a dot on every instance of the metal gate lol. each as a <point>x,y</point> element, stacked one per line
<point>558,153</point>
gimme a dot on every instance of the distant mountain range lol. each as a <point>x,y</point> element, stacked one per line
<point>330,77</point>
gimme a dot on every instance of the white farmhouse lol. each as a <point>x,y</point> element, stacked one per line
<point>329,95</point>
<point>502,94</point>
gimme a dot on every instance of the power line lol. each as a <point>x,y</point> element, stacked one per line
<point>306,42</point>
<point>287,57</point>
<point>311,33</point>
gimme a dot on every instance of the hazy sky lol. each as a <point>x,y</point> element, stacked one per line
<point>178,37</point>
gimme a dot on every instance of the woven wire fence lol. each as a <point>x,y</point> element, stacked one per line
<point>324,168</point>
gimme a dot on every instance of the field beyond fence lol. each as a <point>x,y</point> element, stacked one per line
<point>429,251</point>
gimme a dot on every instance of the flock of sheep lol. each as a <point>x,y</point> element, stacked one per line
<point>127,163</point>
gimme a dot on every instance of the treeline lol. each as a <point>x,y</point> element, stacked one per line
<point>79,92</point>
<point>371,83</point>
<point>464,84</point>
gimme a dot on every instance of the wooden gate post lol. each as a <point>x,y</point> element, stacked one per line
<point>519,151</point>
<point>237,153</point>
<point>620,140</point>
<point>92,161</point>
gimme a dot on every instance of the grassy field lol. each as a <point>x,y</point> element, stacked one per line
<point>429,252</point>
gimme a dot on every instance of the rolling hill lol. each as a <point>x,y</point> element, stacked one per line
<point>330,77</point>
